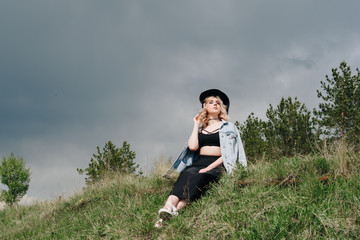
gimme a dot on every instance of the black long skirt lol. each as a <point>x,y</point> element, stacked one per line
<point>191,184</point>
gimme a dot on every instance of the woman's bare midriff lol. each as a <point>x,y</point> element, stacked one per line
<point>210,151</point>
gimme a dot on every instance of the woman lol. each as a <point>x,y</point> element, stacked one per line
<point>213,147</point>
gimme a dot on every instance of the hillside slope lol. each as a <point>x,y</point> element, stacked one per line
<point>301,198</point>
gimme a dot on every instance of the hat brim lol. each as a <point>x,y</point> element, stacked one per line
<point>216,93</point>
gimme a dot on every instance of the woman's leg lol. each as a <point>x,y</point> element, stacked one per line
<point>176,202</point>
<point>181,204</point>
<point>167,211</point>
<point>172,199</point>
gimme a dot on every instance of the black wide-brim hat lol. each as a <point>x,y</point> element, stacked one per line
<point>215,93</point>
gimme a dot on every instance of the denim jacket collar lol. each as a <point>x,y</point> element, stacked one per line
<point>224,122</point>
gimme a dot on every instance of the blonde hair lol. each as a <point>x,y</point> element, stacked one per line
<point>203,115</point>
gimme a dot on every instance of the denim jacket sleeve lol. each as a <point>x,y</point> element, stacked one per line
<point>186,158</point>
<point>241,151</point>
<point>232,149</point>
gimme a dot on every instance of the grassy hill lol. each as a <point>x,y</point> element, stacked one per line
<point>312,197</point>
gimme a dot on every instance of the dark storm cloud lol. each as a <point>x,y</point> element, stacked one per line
<point>76,74</point>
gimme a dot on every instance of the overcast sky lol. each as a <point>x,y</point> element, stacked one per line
<point>75,74</point>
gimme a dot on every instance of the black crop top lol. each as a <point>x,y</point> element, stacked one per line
<point>209,139</point>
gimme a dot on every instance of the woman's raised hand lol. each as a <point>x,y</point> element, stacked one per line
<point>193,142</point>
<point>196,120</point>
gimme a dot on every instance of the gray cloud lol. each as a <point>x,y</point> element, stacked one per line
<point>76,74</point>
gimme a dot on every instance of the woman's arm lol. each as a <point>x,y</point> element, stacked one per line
<point>193,142</point>
<point>212,166</point>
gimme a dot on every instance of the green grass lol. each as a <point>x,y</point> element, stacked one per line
<point>125,207</point>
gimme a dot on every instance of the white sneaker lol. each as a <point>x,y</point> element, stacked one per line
<point>166,214</point>
<point>159,223</point>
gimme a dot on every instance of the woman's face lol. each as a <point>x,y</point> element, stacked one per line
<point>213,105</point>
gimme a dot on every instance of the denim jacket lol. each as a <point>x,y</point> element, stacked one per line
<point>231,151</point>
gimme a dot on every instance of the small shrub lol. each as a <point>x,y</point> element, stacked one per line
<point>110,160</point>
<point>16,177</point>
